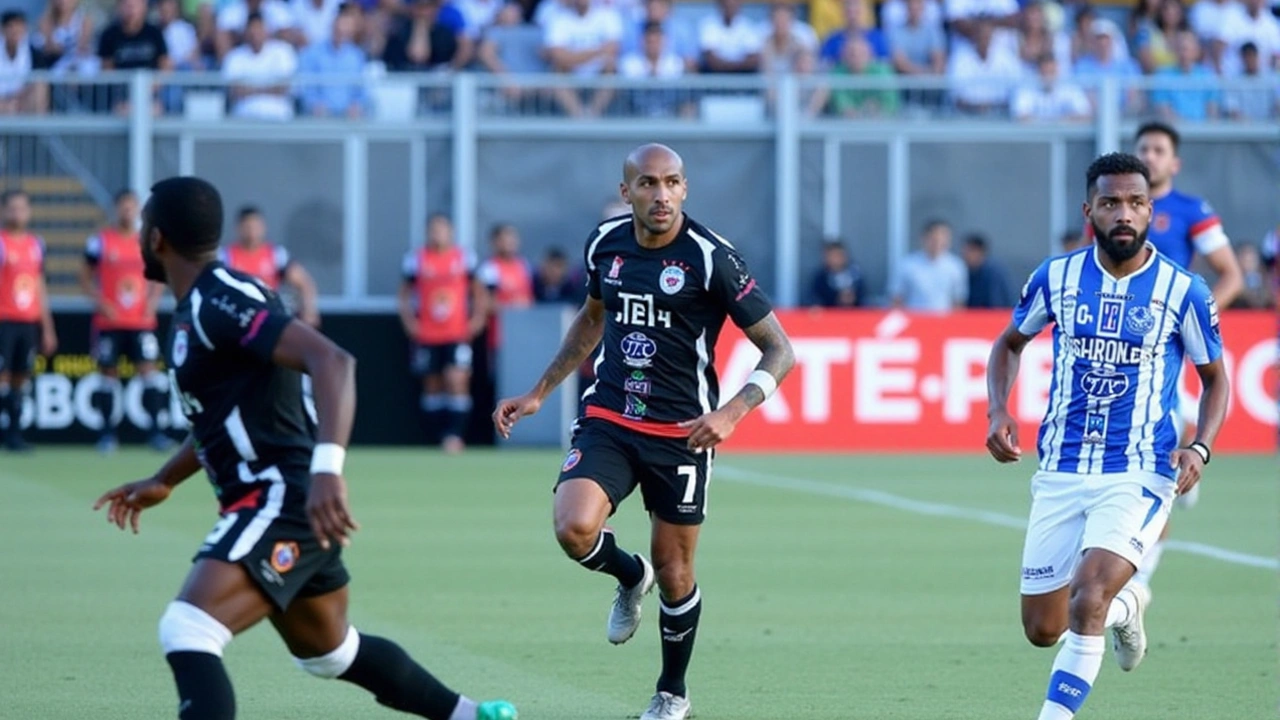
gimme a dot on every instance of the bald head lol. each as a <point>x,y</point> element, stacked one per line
<point>649,156</point>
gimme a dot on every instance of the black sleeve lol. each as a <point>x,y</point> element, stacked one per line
<point>157,40</point>
<point>239,315</point>
<point>395,55</point>
<point>733,286</point>
<point>107,42</point>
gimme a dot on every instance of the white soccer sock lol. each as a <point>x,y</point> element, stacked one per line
<point>1150,562</point>
<point>1119,612</point>
<point>1074,671</point>
<point>466,709</point>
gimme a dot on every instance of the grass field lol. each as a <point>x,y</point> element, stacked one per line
<point>828,594</point>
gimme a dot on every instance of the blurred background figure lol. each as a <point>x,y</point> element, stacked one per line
<point>988,282</point>
<point>838,283</point>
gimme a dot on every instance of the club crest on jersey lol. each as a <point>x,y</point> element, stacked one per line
<point>1140,321</point>
<point>571,460</point>
<point>1104,384</point>
<point>1161,222</point>
<point>616,268</point>
<point>638,350</point>
<point>180,341</point>
<point>672,279</point>
<point>284,556</point>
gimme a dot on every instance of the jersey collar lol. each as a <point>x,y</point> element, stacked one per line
<point>1151,260</point>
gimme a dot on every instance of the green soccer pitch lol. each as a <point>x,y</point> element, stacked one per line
<point>836,587</point>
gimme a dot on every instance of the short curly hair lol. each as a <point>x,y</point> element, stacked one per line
<point>1114,164</point>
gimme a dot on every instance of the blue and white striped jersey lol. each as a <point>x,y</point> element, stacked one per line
<point>1118,346</point>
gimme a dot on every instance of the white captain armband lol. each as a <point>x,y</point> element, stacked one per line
<point>327,458</point>
<point>763,380</point>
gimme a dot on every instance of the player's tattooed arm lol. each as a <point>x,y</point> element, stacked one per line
<point>181,466</point>
<point>583,337</point>
<point>777,358</point>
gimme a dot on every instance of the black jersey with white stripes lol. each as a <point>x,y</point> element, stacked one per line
<point>665,310</point>
<point>249,418</point>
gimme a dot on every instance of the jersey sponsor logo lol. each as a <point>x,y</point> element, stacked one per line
<point>1095,428</point>
<point>284,556</point>
<point>638,350</point>
<point>614,270</point>
<point>1138,545</point>
<point>1104,384</point>
<point>1140,321</point>
<point>1109,312</point>
<point>1035,573</point>
<point>1106,350</point>
<point>181,343</point>
<point>242,317</point>
<point>1161,222</point>
<point>636,408</point>
<point>637,384</point>
<point>672,279</point>
<point>1069,297</point>
<point>638,309</point>
<point>571,460</point>
<point>1083,316</point>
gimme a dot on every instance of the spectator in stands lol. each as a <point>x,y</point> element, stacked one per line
<point>233,21</point>
<point>260,72</point>
<point>1257,293</point>
<point>131,43</point>
<point>510,46</point>
<point>967,18</point>
<point>895,13</point>
<point>918,48</point>
<point>838,283</point>
<point>431,37</point>
<point>15,64</point>
<point>478,15</point>
<point>584,43</point>
<point>679,35</point>
<point>1208,17</point>
<point>1260,103</point>
<point>1101,62</point>
<point>988,282</point>
<point>730,42</point>
<point>656,61</point>
<point>1158,45</point>
<point>65,29</point>
<point>553,283</point>
<point>1087,24</point>
<point>931,279</point>
<point>833,45</point>
<point>982,74</point>
<point>1195,103</point>
<point>1036,39</point>
<point>1249,22</point>
<point>1073,240</point>
<point>786,41</point>
<point>313,20</point>
<point>337,56</point>
<point>179,36</point>
<point>1051,98</point>
<point>857,61</point>
<point>1143,17</point>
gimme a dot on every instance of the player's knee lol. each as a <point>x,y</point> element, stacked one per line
<point>577,536</point>
<point>186,628</point>
<point>1043,634</point>
<point>1088,604</point>
<point>675,579</point>
<point>336,662</point>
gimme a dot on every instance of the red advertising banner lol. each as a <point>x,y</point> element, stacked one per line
<point>892,381</point>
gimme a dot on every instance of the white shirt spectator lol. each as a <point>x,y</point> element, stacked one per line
<point>275,14</point>
<point>573,31</point>
<point>637,66</point>
<point>1238,28</point>
<point>274,65</point>
<point>1060,102</point>
<point>732,42</point>
<point>548,10</point>
<point>893,14</point>
<point>967,9</point>
<point>984,82</point>
<point>181,41</point>
<point>938,285</point>
<point>315,23</point>
<point>1208,16</point>
<point>15,70</point>
<point>478,14</point>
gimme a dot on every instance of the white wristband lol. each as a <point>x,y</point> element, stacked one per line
<point>328,458</point>
<point>764,381</point>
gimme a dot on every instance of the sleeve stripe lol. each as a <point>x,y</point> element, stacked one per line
<point>248,289</point>
<point>603,230</point>
<point>197,303</point>
<point>1211,239</point>
<point>708,251</point>
<point>1193,337</point>
<point>1205,224</point>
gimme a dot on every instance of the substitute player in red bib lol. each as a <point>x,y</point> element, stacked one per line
<point>26,325</point>
<point>660,288</point>
<point>254,255</point>
<point>452,306</point>
<point>235,357</point>
<point>124,321</point>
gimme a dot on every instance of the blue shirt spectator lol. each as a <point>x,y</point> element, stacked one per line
<point>337,57</point>
<point>1195,103</point>
<point>680,36</point>
<point>833,46</point>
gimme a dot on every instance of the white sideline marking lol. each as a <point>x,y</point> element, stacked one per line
<point>920,507</point>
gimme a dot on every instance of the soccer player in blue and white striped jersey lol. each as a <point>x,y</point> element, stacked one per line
<point>1124,319</point>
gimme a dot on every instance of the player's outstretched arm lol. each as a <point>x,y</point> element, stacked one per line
<point>126,503</point>
<point>583,337</point>
<point>1214,398</point>
<point>1002,372</point>
<point>333,381</point>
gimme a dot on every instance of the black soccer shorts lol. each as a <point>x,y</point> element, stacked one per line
<point>268,534</point>
<point>673,479</point>
<point>18,343</point>
<point>435,359</point>
<point>137,345</point>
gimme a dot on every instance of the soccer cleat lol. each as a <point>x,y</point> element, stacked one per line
<point>1130,638</point>
<point>107,444</point>
<point>496,710</point>
<point>665,706</point>
<point>624,618</point>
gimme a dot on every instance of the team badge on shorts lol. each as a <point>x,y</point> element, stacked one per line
<point>571,460</point>
<point>671,280</point>
<point>283,556</point>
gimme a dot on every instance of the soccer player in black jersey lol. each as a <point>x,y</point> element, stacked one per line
<point>235,359</point>
<point>660,287</point>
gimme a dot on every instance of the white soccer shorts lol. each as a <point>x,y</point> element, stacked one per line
<point>1123,513</point>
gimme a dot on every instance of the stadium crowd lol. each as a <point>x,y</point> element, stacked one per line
<point>1037,60</point>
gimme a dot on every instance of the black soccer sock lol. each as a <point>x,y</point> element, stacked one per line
<point>433,411</point>
<point>204,690</point>
<point>678,622</point>
<point>610,559</point>
<point>104,401</point>
<point>13,406</point>
<point>386,670</point>
<point>154,399</point>
<point>457,414</point>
